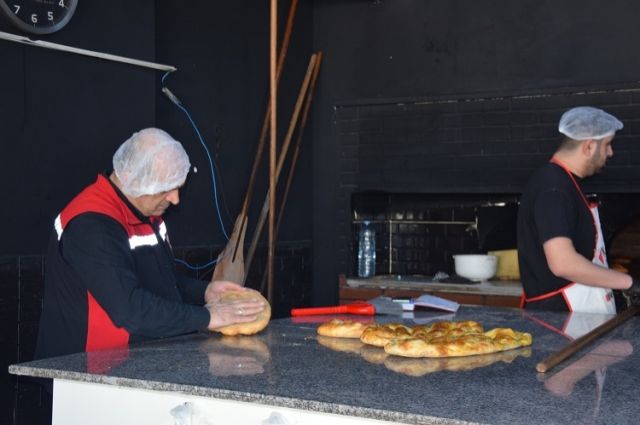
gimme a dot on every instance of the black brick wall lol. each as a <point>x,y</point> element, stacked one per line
<point>475,145</point>
<point>21,289</point>
<point>417,234</point>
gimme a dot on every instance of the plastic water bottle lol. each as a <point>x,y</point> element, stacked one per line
<point>367,251</point>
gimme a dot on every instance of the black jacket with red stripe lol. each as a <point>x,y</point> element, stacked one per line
<point>110,278</point>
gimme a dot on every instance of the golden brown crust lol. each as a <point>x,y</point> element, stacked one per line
<point>466,345</point>
<point>448,329</point>
<point>379,335</point>
<point>507,338</point>
<point>339,328</point>
<point>248,328</point>
<point>455,345</point>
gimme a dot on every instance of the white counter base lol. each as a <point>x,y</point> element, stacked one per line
<point>81,403</point>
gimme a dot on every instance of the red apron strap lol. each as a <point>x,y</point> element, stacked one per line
<point>524,300</point>
<point>590,205</point>
<point>560,164</point>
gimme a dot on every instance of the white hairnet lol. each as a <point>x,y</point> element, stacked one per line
<point>150,162</point>
<point>585,122</point>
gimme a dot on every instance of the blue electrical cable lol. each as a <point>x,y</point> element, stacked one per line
<point>177,102</point>
<point>200,267</point>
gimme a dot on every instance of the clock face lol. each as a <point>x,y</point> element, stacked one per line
<point>38,16</point>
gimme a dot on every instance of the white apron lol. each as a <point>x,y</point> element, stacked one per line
<point>579,297</point>
<point>591,299</point>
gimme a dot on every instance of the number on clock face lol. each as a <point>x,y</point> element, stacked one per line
<point>39,16</point>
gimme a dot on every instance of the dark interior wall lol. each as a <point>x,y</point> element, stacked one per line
<point>419,48</point>
<point>383,55</point>
<point>221,51</point>
<point>62,115</point>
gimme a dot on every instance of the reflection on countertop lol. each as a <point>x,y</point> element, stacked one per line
<point>427,283</point>
<point>417,367</point>
<point>236,355</point>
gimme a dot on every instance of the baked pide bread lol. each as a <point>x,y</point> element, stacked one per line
<point>465,345</point>
<point>447,328</point>
<point>470,344</point>
<point>380,335</point>
<point>248,328</point>
<point>436,340</point>
<point>342,328</point>
<point>508,339</point>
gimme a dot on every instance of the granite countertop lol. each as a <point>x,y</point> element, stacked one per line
<point>288,365</point>
<point>510,288</point>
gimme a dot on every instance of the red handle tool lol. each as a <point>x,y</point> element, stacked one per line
<point>354,308</point>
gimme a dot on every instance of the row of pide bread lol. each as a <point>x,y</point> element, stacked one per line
<point>439,339</point>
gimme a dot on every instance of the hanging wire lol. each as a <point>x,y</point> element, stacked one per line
<point>179,104</point>
<point>212,170</point>
<point>198,267</point>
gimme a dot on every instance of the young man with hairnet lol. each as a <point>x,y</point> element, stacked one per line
<point>561,249</point>
<point>110,278</point>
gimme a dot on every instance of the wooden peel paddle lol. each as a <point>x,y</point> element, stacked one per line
<point>232,261</point>
<point>230,265</point>
<point>266,206</point>
<point>577,344</point>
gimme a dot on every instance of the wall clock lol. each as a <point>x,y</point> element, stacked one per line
<point>38,16</point>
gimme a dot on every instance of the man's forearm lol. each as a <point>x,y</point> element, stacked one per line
<point>565,262</point>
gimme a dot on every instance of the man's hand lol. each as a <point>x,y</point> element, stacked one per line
<point>230,312</point>
<point>632,294</point>
<point>565,262</point>
<point>217,287</point>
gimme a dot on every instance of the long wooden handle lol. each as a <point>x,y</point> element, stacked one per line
<point>267,116</point>
<point>585,339</point>
<point>272,145</point>
<point>267,119</point>
<point>296,152</point>
<point>266,207</point>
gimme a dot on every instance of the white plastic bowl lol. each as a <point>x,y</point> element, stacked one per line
<point>476,267</point>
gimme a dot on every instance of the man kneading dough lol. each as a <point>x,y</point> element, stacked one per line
<point>249,308</point>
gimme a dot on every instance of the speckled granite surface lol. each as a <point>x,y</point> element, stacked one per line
<point>288,365</point>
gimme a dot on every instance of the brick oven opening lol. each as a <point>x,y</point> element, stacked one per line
<point>418,234</point>
<point>624,248</point>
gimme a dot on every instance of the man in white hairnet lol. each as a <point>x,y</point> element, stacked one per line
<point>561,249</point>
<point>110,278</point>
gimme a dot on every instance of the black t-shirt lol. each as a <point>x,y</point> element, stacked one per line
<point>551,206</point>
